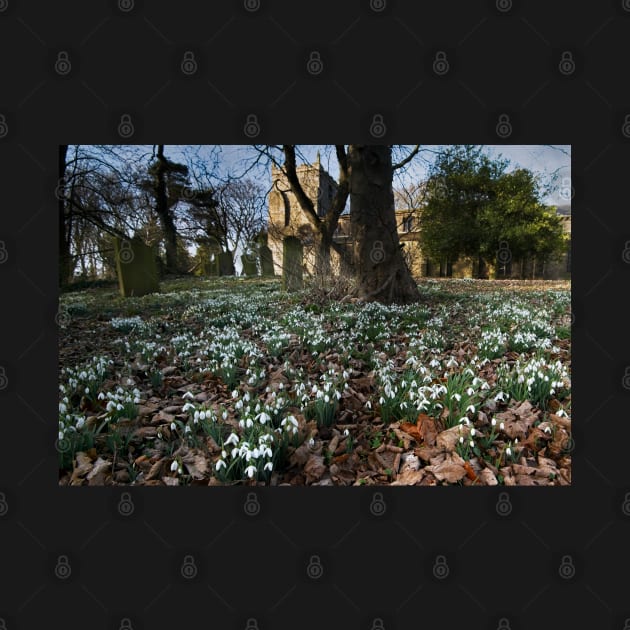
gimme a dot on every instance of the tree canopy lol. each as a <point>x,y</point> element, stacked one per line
<point>474,206</point>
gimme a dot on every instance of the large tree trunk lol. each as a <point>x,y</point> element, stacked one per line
<point>65,255</point>
<point>163,212</point>
<point>381,271</point>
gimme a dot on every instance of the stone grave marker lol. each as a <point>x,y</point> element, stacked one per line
<point>266,260</point>
<point>250,268</point>
<point>226,264</point>
<point>136,267</point>
<point>292,260</point>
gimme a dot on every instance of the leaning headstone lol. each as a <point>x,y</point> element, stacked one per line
<point>292,259</point>
<point>266,260</point>
<point>226,264</point>
<point>136,267</point>
<point>250,268</point>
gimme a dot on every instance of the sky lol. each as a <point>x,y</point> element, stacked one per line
<point>547,161</point>
<point>544,160</point>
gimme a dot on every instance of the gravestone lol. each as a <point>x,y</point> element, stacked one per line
<point>266,260</point>
<point>136,267</point>
<point>211,266</point>
<point>250,268</point>
<point>292,259</point>
<point>226,264</point>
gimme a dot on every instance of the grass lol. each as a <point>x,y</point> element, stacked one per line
<point>254,352</point>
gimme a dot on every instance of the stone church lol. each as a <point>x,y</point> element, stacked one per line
<point>286,218</point>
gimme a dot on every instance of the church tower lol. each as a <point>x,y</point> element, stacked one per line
<point>286,218</point>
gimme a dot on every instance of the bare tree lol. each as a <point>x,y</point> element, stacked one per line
<point>366,177</point>
<point>95,190</point>
<point>381,270</point>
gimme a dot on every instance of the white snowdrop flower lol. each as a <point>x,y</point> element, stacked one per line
<point>473,431</point>
<point>547,429</point>
<point>461,439</point>
<point>80,423</point>
<point>368,404</point>
<point>235,394</point>
<point>493,422</point>
<point>381,400</point>
<point>346,432</point>
<point>195,415</point>
<point>188,395</point>
<point>472,444</point>
<point>119,407</point>
<point>224,415</point>
<point>60,435</point>
<point>174,465</point>
<point>326,398</point>
<point>223,454</point>
<point>220,464</point>
<point>337,395</point>
<point>202,415</point>
<point>249,423</point>
<point>263,417</point>
<point>311,443</point>
<point>457,397</point>
<point>251,471</point>
<point>464,420</point>
<point>500,396</point>
<point>470,391</point>
<point>232,439</point>
<point>187,429</point>
<point>173,426</point>
<point>268,466</point>
<point>508,451</point>
<point>471,408</point>
<point>502,426</point>
<point>234,453</point>
<point>239,404</point>
<point>515,440</point>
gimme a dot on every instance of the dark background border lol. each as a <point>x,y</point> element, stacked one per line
<point>251,570</point>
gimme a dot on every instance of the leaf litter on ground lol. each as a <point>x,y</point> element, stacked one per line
<point>371,440</point>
